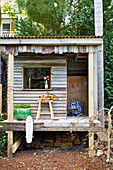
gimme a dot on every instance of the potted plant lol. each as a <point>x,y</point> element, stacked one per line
<point>21,111</point>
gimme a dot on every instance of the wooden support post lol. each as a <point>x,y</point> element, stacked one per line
<point>95,85</point>
<point>10,86</point>
<point>91,144</point>
<point>100,77</point>
<point>100,66</point>
<point>17,144</point>
<point>0,98</point>
<point>90,85</point>
<point>10,144</point>
<point>91,99</point>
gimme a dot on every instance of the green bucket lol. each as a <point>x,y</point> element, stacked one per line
<point>22,113</point>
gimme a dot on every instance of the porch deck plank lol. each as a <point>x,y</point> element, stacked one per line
<point>70,124</point>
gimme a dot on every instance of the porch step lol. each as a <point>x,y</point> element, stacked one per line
<point>102,136</point>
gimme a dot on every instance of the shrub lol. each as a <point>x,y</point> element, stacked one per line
<point>3,136</point>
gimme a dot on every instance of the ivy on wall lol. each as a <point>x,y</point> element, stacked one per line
<point>108,53</point>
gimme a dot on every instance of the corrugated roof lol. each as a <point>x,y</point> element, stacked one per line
<point>46,37</point>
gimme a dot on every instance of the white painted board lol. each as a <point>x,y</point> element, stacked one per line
<point>29,129</point>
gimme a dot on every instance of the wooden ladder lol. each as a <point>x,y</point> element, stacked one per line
<point>43,113</point>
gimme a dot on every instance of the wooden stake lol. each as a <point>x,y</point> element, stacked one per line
<point>10,87</point>
<point>10,144</point>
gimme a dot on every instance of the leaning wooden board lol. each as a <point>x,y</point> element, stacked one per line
<point>29,129</point>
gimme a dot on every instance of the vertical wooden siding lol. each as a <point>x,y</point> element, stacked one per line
<point>58,86</point>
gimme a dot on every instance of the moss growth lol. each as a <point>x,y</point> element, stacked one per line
<point>22,106</point>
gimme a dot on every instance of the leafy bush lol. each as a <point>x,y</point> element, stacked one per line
<point>3,117</point>
<point>22,106</point>
<point>3,136</point>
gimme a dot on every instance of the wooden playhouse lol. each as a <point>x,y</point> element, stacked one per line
<point>74,66</point>
<point>75,69</point>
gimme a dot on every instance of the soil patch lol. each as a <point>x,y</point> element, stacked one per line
<point>54,158</point>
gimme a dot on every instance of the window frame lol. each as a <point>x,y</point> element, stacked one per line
<point>2,30</point>
<point>35,89</point>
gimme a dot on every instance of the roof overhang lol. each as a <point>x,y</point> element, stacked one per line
<point>51,41</point>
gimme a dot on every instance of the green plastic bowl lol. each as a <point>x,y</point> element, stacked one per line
<point>22,113</point>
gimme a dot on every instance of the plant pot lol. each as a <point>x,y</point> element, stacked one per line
<point>22,113</point>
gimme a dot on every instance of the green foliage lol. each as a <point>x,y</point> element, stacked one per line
<point>4,56</point>
<point>84,154</point>
<point>108,54</point>
<point>27,27</point>
<point>50,13</point>
<point>22,106</point>
<point>3,116</point>
<point>45,157</point>
<point>9,8</point>
<point>3,140</point>
<point>82,18</point>
<point>54,17</point>
<point>3,136</point>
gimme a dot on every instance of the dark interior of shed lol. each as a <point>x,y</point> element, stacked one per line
<point>77,84</point>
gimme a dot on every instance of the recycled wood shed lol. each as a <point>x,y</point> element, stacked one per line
<point>67,60</point>
<point>75,69</point>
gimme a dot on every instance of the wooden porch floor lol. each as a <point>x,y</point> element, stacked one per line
<point>69,124</point>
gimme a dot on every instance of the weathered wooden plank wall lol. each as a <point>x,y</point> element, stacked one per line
<point>58,85</point>
<point>59,73</point>
<point>46,49</point>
